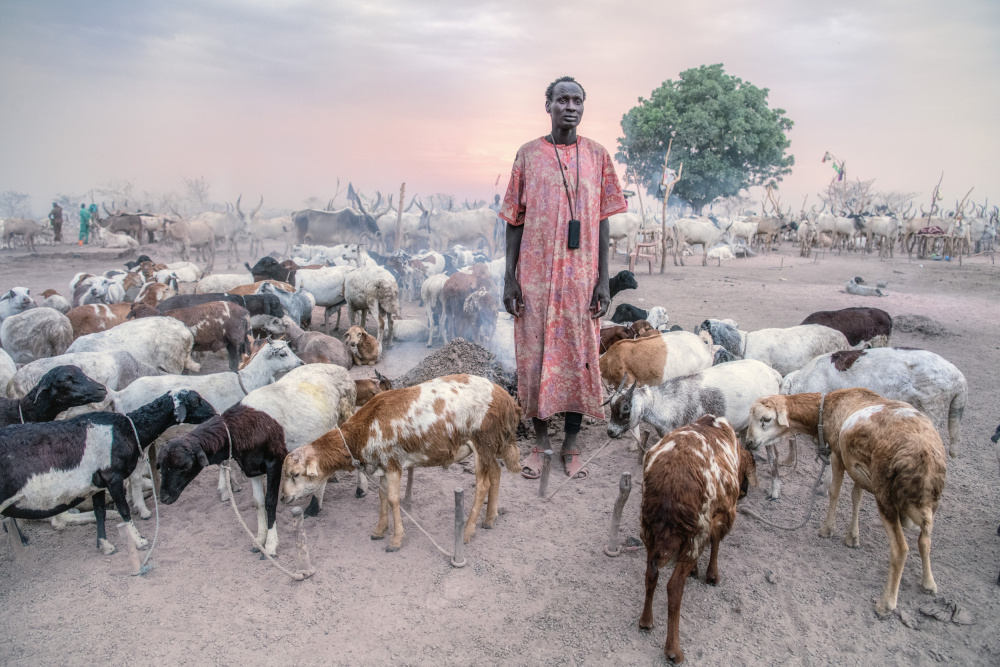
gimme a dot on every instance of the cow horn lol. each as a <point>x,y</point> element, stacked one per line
<point>238,210</point>
<point>259,206</point>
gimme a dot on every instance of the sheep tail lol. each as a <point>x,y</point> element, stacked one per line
<point>955,412</point>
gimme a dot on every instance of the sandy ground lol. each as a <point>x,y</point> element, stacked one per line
<point>538,589</point>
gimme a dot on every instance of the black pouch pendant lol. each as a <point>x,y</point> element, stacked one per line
<point>574,235</point>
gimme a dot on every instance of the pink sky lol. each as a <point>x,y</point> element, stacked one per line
<point>281,98</point>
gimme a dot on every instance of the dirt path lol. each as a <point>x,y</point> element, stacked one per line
<point>538,588</point>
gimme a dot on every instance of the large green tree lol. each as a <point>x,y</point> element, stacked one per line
<point>722,130</point>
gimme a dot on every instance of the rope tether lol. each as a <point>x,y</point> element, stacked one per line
<point>156,504</point>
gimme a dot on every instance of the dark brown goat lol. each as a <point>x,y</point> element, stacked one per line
<point>871,325</point>
<point>457,289</point>
<point>215,325</point>
<point>368,388</point>
<point>611,335</point>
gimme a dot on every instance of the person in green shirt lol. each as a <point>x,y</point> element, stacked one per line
<point>84,225</point>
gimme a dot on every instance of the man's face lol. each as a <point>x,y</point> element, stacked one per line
<point>566,107</point>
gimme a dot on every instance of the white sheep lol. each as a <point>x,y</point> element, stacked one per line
<point>784,350</point>
<point>7,368</point>
<point>923,379</point>
<point>222,282</point>
<point>372,289</point>
<point>15,301</point>
<point>161,342</point>
<point>327,287</point>
<point>36,334</point>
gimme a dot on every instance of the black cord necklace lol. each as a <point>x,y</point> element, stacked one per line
<point>562,172</point>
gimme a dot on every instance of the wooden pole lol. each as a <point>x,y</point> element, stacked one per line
<point>624,488</point>
<point>409,488</point>
<point>663,219</point>
<point>399,218</point>
<point>458,560</point>
<point>302,563</point>
<point>543,484</point>
<point>133,552</point>
<point>13,538</point>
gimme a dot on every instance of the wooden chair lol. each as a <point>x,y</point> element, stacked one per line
<point>647,248</point>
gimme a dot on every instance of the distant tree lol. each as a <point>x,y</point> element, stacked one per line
<point>722,130</point>
<point>196,191</point>
<point>15,204</point>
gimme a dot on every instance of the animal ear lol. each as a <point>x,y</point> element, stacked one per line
<point>200,454</point>
<point>782,411</point>
<point>312,469</point>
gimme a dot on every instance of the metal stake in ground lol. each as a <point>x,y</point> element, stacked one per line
<point>624,488</point>
<point>543,483</point>
<point>458,560</point>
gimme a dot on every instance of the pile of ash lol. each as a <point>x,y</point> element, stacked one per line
<point>918,324</point>
<point>460,356</point>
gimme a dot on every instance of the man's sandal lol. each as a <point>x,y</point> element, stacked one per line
<point>574,468</point>
<point>532,466</point>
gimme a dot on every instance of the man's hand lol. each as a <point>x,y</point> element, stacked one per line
<point>601,300</point>
<point>512,299</point>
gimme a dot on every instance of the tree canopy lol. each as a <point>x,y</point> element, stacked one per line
<point>722,130</point>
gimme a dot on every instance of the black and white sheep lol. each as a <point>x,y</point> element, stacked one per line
<point>48,468</point>
<point>626,312</point>
<point>61,388</point>
<point>621,281</point>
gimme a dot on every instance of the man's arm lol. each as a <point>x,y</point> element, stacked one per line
<point>601,300</point>
<point>512,300</point>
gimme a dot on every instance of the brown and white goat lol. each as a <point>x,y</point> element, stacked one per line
<point>365,349</point>
<point>613,334</point>
<point>652,360</point>
<point>215,325</point>
<point>97,317</point>
<point>436,423</point>
<point>889,449</point>
<point>692,479</point>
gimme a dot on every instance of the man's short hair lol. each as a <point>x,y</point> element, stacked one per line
<point>563,79</point>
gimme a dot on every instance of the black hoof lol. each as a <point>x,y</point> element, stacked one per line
<point>391,549</point>
<point>313,508</point>
<point>360,493</point>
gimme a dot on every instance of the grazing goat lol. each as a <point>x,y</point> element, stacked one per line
<point>161,342</point>
<point>115,370</point>
<point>36,334</point>
<point>923,379</point>
<point>270,421</point>
<point>365,348</point>
<point>784,350</point>
<point>48,468</point>
<point>17,300</point>
<point>436,423</point>
<point>652,360</point>
<point>860,325</point>
<point>887,447</point>
<point>368,388</point>
<point>61,388</point>
<point>691,480</point>
<point>214,325</point>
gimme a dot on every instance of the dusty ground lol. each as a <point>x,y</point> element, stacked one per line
<point>538,588</point>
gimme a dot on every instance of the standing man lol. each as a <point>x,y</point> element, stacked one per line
<point>84,225</point>
<point>562,190</point>
<point>55,215</point>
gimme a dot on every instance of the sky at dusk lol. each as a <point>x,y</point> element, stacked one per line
<point>282,98</point>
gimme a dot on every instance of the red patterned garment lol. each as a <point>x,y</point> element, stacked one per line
<point>556,340</point>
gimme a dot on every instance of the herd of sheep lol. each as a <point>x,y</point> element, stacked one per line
<point>94,378</point>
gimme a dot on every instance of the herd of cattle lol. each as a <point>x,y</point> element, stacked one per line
<point>94,378</point>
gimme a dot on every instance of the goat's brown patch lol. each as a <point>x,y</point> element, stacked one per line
<point>844,359</point>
